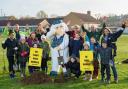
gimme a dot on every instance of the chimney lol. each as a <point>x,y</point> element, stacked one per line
<point>89,13</point>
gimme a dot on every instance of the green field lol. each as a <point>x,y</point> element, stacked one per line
<point>7,83</point>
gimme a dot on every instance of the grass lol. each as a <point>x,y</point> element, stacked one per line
<point>122,53</point>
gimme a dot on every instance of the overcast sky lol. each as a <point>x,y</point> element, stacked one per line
<point>62,7</point>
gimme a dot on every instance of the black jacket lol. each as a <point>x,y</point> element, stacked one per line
<point>10,45</point>
<point>112,38</point>
<point>75,66</point>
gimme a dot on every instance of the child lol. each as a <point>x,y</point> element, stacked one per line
<point>76,45</point>
<point>73,66</point>
<point>87,73</point>
<point>106,56</point>
<point>34,68</point>
<point>94,46</point>
<point>45,46</point>
<point>11,45</point>
<point>23,51</point>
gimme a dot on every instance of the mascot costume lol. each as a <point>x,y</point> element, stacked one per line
<point>59,41</point>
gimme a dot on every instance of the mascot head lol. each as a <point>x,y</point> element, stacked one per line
<point>59,28</point>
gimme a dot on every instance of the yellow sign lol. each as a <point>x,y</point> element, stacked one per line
<point>35,57</point>
<point>86,59</point>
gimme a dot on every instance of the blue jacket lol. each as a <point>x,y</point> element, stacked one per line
<point>76,46</point>
<point>112,38</point>
<point>105,55</point>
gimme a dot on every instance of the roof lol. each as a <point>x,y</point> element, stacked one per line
<point>4,17</point>
<point>85,17</point>
<point>23,22</point>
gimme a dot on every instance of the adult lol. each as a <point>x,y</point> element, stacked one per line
<point>11,45</point>
<point>7,29</point>
<point>17,32</point>
<point>72,33</point>
<point>17,36</point>
<point>111,39</point>
<point>26,31</point>
<point>31,41</point>
<point>96,33</point>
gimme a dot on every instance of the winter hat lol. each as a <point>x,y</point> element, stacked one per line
<point>32,33</point>
<point>87,43</point>
<point>43,36</point>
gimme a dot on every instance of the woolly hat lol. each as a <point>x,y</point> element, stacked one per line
<point>87,43</point>
<point>43,36</point>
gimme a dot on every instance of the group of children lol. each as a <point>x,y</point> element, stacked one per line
<point>18,49</point>
<point>101,42</point>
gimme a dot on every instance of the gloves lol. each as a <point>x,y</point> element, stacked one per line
<point>3,42</point>
<point>15,48</point>
<point>123,25</point>
<point>24,53</point>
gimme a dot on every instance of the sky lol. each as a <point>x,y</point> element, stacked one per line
<point>21,8</point>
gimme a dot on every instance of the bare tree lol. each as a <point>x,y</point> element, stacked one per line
<point>41,14</point>
<point>12,18</point>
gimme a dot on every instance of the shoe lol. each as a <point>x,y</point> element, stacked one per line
<point>102,80</point>
<point>116,81</point>
<point>90,79</point>
<point>85,78</point>
<point>11,76</point>
<point>21,75</point>
<point>108,81</point>
<point>97,77</point>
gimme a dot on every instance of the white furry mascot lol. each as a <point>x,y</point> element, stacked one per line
<point>59,45</point>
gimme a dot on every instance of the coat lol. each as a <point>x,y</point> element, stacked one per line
<point>31,41</point>
<point>105,55</point>
<point>96,34</point>
<point>45,46</point>
<point>23,48</point>
<point>10,45</point>
<point>76,46</point>
<point>111,39</point>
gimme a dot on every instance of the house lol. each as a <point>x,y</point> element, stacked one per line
<point>81,18</point>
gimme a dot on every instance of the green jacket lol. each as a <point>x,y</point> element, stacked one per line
<point>97,34</point>
<point>6,31</point>
<point>46,49</point>
<point>21,48</point>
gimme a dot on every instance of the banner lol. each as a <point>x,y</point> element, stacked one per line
<point>35,57</point>
<point>86,61</point>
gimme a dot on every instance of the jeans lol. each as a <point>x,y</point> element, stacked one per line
<point>114,71</point>
<point>11,63</point>
<point>105,67</point>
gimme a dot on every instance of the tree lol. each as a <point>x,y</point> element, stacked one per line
<point>41,14</point>
<point>12,18</point>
